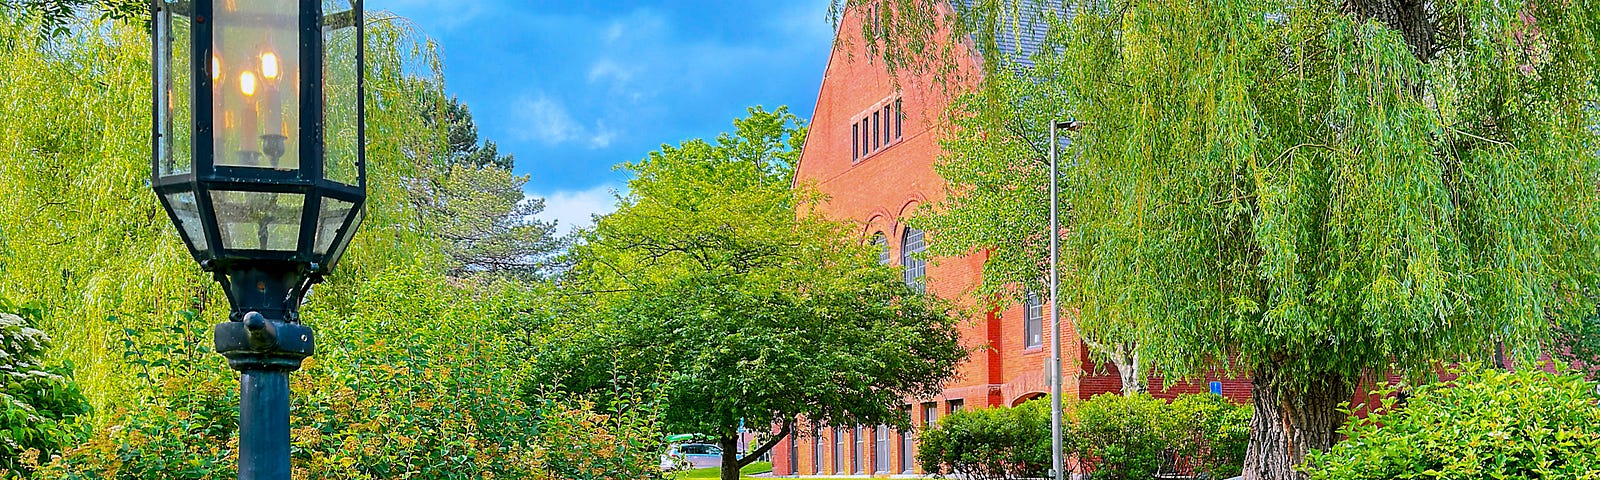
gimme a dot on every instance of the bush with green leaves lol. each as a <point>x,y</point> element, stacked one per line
<point>1139,436</point>
<point>39,405</point>
<point>990,443</point>
<point>1497,424</point>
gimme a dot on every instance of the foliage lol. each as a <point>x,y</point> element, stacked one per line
<point>711,277</point>
<point>1483,424</point>
<point>384,398</point>
<point>990,443</point>
<point>413,375</point>
<point>39,405</point>
<point>1137,436</point>
<point>486,222</point>
<point>1317,188</point>
<point>54,17</point>
<point>1578,344</point>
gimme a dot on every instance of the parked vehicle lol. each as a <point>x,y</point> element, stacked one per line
<point>684,456</point>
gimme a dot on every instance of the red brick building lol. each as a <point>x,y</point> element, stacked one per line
<point>871,149</point>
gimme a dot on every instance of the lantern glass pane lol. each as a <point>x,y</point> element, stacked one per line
<point>174,72</point>
<point>338,250</point>
<point>341,93</point>
<point>256,74</point>
<point>333,214</point>
<point>258,220</point>
<point>188,213</point>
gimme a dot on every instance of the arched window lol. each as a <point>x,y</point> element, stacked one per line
<point>881,243</point>
<point>1033,322</point>
<point>911,246</point>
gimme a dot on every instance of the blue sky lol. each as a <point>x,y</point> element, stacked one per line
<point>571,88</point>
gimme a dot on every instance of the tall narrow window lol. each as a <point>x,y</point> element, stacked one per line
<point>908,451</point>
<point>794,454</point>
<point>816,450</point>
<point>877,131</point>
<point>881,243</point>
<point>855,141</point>
<point>899,118</point>
<point>880,450</point>
<point>888,138</point>
<point>930,414</point>
<point>838,450</point>
<point>911,246</point>
<point>1033,322</point>
<point>856,449</point>
<point>866,141</point>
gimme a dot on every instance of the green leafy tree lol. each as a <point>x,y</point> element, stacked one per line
<point>713,280</point>
<point>1321,189</point>
<point>39,405</point>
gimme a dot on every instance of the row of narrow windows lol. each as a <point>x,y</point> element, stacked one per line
<point>882,437</point>
<point>882,128</point>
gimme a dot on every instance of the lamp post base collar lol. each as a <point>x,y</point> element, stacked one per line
<point>260,344</point>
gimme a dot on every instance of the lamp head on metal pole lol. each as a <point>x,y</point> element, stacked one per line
<point>259,160</point>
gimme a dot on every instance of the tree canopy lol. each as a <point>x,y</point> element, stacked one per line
<point>709,281</point>
<point>1320,189</point>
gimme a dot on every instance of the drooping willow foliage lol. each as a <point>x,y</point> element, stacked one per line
<point>1316,189</point>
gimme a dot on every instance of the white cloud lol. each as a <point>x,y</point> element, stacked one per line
<point>572,209</point>
<point>547,120</point>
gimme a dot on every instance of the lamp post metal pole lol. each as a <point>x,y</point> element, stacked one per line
<point>1057,463</point>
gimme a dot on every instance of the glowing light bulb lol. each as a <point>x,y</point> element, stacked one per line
<point>216,69</point>
<point>269,66</point>
<point>247,83</point>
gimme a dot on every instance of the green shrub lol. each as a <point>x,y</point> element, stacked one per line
<point>1483,424</point>
<point>990,443</point>
<point>1121,437</point>
<point>39,405</point>
<point>1210,433</point>
<point>1139,436</point>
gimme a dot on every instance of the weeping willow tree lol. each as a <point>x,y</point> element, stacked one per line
<point>1320,190</point>
<point>83,241</point>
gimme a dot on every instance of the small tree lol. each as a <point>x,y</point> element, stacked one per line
<point>712,276</point>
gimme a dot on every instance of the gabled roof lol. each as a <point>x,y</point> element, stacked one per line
<point>1022,32</point>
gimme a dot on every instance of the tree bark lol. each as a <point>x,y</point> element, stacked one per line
<point>1409,17</point>
<point>1291,419</point>
<point>731,462</point>
<point>1128,367</point>
<point>730,456</point>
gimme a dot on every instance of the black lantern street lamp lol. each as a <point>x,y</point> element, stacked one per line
<point>258,159</point>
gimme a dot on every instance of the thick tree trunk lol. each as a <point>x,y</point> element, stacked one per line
<point>1290,421</point>
<point>730,456</point>
<point>1409,17</point>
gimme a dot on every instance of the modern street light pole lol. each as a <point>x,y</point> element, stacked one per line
<point>258,159</point>
<point>1057,456</point>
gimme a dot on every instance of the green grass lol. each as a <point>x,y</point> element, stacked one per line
<point>751,469</point>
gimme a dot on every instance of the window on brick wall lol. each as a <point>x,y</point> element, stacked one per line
<point>838,450</point>
<point>930,414</point>
<point>908,451</point>
<point>877,131</point>
<point>856,450</point>
<point>881,243</point>
<point>1033,322</point>
<point>899,118</point>
<point>888,133</point>
<point>866,139</point>
<point>880,450</point>
<point>957,405</point>
<point>816,450</point>
<point>911,246</point>
<point>855,142</point>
